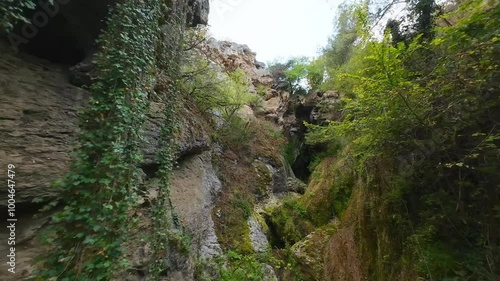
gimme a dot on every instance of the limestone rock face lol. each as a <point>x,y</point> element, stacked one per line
<point>200,11</point>
<point>81,74</point>
<point>315,108</point>
<point>275,106</point>
<point>191,139</point>
<point>27,246</point>
<point>38,124</point>
<point>233,55</point>
<point>323,106</point>
<point>195,188</point>
<point>258,237</point>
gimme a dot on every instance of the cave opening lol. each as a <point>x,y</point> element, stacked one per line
<point>300,167</point>
<point>50,38</point>
<point>275,239</point>
<point>64,32</point>
<point>23,209</point>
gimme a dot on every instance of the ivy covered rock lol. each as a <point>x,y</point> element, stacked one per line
<point>43,111</point>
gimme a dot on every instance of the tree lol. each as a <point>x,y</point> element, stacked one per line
<point>291,75</point>
<point>340,45</point>
<point>425,110</point>
<point>316,72</point>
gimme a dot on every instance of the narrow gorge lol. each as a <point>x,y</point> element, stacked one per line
<point>136,146</point>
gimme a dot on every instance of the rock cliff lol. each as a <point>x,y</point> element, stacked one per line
<point>39,123</point>
<point>220,190</point>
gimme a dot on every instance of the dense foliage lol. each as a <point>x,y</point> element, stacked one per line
<point>233,266</point>
<point>422,105</point>
<point>291,75</point>
<point>11,11</point>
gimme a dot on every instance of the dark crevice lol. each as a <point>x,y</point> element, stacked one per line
<point>300,166</point>
<point>303,112</point>
<point>55,41</point>
<point>22,209</point>
<point>275,240</point>
<point>150,169</point>
<point>30,112</point>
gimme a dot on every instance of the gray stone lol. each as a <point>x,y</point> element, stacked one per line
<point>81,74</point>
<point>199,12</point>
<point>259,240</point>
<point>195,186</point>
<point>39,123</point>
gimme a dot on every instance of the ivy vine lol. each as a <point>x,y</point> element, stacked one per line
<point>12,11</point>
<point>167,231</point>
<point>100,193</point>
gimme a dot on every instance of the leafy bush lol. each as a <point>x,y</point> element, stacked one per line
<point>291,74</point>
<point>290,222</point>
<point>237,134</point>
<point>12,11</point>
<point>220,93</point>
<point>421,123</point>
<point>213,89</point>
<point>235,266</point>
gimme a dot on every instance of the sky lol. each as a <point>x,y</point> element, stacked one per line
<point>274,29</point>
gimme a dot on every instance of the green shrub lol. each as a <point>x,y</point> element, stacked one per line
<point>12,11</point>
<point>235,266</point>
<point>421,126</point>
<point>290,222</point>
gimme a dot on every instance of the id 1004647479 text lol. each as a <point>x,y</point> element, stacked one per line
<point>11,218</point>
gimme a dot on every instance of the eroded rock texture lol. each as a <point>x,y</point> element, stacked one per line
<point>38,124</point>
<point>38,127</point>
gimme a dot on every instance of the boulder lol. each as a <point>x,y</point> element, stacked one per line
<point>309,252</point>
